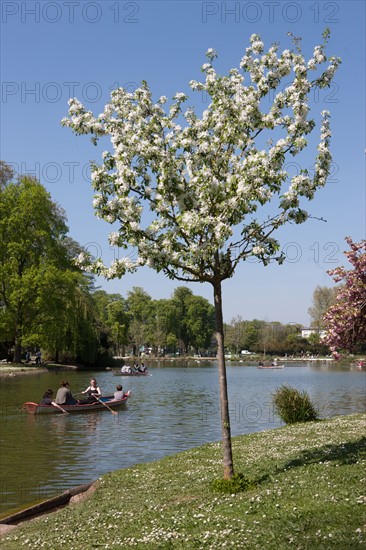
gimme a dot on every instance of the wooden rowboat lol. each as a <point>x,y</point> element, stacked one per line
<point>118,372</point>
<point>271,367</point>
<point>36,408</point>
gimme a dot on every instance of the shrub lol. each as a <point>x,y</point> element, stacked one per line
<point>293,406</point>
<point>237,484</point>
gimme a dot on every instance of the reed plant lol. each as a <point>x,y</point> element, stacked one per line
<point>293,406</point>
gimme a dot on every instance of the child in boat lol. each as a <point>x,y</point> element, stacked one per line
<point>119,394</point>
<point>47,398</point>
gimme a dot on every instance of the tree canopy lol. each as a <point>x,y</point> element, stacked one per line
<point>44,297</point>
<point>323,298</point>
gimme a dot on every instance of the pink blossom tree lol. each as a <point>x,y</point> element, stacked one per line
<point>345,321</point>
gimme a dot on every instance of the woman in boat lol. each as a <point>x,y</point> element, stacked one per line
<point>47,398</point>
<point>64,395</point>
<point>93,392</point>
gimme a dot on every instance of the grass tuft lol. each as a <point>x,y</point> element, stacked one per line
<point>239,483</point>
<point>293,406</point>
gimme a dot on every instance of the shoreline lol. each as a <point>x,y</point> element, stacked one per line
<point>20,369</point>
<point>71,496</point>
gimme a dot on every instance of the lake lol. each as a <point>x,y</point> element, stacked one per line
<point>175,409</point>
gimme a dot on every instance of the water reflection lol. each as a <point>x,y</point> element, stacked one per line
<point>175,409</point>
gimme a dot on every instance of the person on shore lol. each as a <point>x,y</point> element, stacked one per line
<point>64,395</point>
<point>93,392</point>
<point>119,394</point>
<point>47,398</point>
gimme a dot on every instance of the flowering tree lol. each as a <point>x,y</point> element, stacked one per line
<point>185,190</point>
<point>345,321</point>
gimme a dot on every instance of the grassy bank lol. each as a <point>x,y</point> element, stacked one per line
<point>308,492</point>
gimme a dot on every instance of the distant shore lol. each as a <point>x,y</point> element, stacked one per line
<point>21,369</point>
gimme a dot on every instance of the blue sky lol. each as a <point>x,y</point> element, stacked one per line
<point>53,49</point>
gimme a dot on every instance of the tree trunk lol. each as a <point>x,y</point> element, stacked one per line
<point>17,351</point>
<point>224,402</point>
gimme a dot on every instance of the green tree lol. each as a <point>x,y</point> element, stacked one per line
<point>162,325</point>
<point>113,319</point>
<point>235,334</point>
<point>180,298</point>
<point>6,174</point>
<point>31,232</point>
<point>140,309</point>
<point>323,298</point>
<point>200,322</point>
<point>118,321</point>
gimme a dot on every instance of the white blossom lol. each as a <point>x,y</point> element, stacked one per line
<point>179,190</point>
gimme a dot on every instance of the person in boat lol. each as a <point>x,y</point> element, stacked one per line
<point>126,369</point>
<point>274,363</point>
<point>142,368</point>
<point>47,398</point>
<point>64,395</point>
<point>119,393</point>
<point>93,392</point>
<point>260,364</point>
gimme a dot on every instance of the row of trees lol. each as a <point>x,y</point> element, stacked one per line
<point>46,300</point>
<point>272,338</point>
<point>181,324</point>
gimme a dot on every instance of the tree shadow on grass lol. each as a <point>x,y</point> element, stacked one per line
<point>343,453</point>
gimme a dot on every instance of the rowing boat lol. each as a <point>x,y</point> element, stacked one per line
<point>37,408</point>
<point>118,372</point>
<point>271,367</point>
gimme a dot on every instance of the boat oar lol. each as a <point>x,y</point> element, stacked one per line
<point>59,407</point>
<point>105,404</point>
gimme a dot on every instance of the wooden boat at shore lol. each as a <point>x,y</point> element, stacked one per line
<point>110,403</point>
<point>118,372</point>
<point>271,367</point>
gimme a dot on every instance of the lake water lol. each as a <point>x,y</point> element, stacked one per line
<point>172,410</point>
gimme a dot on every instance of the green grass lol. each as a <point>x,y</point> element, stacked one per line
<point>308,492</point>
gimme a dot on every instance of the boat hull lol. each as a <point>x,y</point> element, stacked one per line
<point>119,373</point>
<point>36,408</point>
<point>272,367</point>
